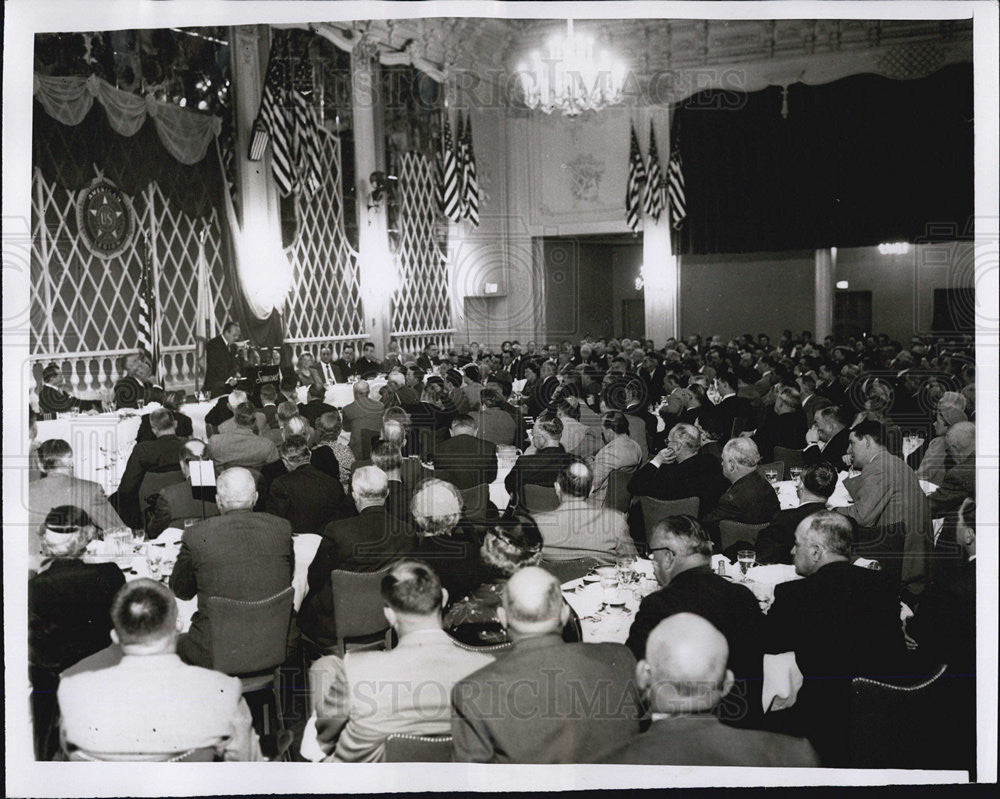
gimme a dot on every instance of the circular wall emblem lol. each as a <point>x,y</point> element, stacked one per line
<point>105,218</point>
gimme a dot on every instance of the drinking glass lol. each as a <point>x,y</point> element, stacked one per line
<point>609,582</point>
<point>746,558</point>
<point>772,476</point>
<point>138,541</point>
<point>796,473</point>
<point>154,560</point>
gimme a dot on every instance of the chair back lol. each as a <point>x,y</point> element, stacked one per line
<point>566,570</point>
<point>777,466</point>
<point>538,499</point>
<point>361,442</point>
<point>488,648</point>
<point>357,606</point>
<point>401,748</point>
<point>884,544</point>
<point>249,636</point>
<point>898,726</point>
<point>792,458</point>
<point>202,754</point>
<point>617,496</point>
<point>154,482</point>
<point>475,501</point>
<point>730,532</point>
<point>655,510</point>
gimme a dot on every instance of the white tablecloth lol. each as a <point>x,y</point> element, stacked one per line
<point>340,394</point>
<point>305,547</point>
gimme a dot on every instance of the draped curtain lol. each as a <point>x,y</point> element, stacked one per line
<point>855,162</point>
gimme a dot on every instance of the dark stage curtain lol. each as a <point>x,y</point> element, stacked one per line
<point>858,161</point>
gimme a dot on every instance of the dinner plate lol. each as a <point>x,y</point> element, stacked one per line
<point>591,578</point>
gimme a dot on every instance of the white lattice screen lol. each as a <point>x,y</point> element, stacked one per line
<point>84,310</point>
<point>421,308</point>
<point>324,303</point>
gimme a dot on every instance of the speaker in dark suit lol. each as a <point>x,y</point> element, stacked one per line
<point>221,366</point>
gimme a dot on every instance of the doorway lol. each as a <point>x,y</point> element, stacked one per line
<point>852,314</point>
<point>634,318</point>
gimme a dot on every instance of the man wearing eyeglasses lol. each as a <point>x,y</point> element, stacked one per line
<point>682,553</point>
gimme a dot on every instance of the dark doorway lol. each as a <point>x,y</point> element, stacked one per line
<point>634,318</point>
<point>954,310</point>
<point>852,314</point>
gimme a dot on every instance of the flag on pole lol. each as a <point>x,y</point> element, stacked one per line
<point>271,119</point>
<point>636,177</point>
<point>470,182</point>
<point>306,126</point>
<point>449,195</point>
<point>148,333</point>
<point>204,322</point>
<point>675,186</point>
<point>654,200</point>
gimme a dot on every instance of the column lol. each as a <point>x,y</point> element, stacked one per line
<point>826,276</point>
<point>661,281</point>
<point>376,265</point>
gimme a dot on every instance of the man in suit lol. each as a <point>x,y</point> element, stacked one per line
<point>807,387</point>
<point>269,407</point>
<point>308,498</point>
<point>682,554</point>
<point>242,446</point>
<point>493,423</point>
<point>841,622</point>
<point>59,487</point>
<point>577,529</point>
<point>684,678</point>
<point>887,492</point>
<point>465,460</point>
<point>368,365</point>
<point>577,438</point>
<point>636,406</point>
<point>237,555</point>
<point>784,425</point>
<point>316,405</point>
<point>363,698</point>
<point>429,358</point>
<point>960,480</point>
<point>364,414</point>
<point>346,363</point>
<point>157,456</point>
<point>774,543</point>
<point>832,427</point>
<point>526,707</point>
<point>173,504</point>
<point>750,498</point>
<point>221,366</point>
<point>54,397</point>
<point>363,543</point>
<point>329,372</point>
<point>150,702</point>
<point>681,470</point>
<point>735,413</point>
<point>544,465</point>
<point>136,384</point>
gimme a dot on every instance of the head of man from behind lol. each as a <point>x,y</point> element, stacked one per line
<point>162,423</point>
<point>192,450</point>
<point>66,532</point>
<point>369,487</point>
<point>547,431</point>
<point>413,597</point>
<point>817,484</point>
<point>532,605</point>
<point>830,421</point>
<point>740,457</point>
<point>574,482</point>
<point>144,615</point>
<point>235,490</point>
<point>436,507</point>
<point>463,425</point>
<point>684,670</point>
<point>825,537</point>
<point>56,457</point>
<point>294,452</point>
<point>678,543</point>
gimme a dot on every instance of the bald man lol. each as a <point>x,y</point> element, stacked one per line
<point>960,480</point>
<point>684,678</point>
<point>750,498</point>
<point>364,414</point>
<point>545,701</point>
<point>238,555</point>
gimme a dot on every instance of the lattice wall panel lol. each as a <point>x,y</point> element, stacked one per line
<point>421,306</point>
<point>325,299</point>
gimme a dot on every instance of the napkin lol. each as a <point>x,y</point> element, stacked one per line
<point>782,681</point>
<point>309,748</point>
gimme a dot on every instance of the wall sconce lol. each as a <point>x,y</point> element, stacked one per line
<point>843,284</point>
<point>894,248</point>
<point>381,188</point>
<point>640,281</point>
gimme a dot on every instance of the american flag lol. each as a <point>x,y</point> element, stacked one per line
<point>149,339</point>
<point>470,184</point>
<point>306,127</point>
<point>675,186</point>
<point>449,190</point>
<point>272,120</point>
<point>636,177</point>
<point>654,200</point>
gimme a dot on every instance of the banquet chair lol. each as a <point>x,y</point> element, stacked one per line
<point>249,641</point>
<point>617,496</point>
<point>357,611</point>
<point>655,510</point>
<point>538,499</point>
<point>566,570</point>
<point>900,726</point>
<point>731,532</point>
<point>403,748</point>
<point>152,484</point>
<point>476,502</point>
<point>488,648</point>
<point>792,458</point>
<point>778,466</point>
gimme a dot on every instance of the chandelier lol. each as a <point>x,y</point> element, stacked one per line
<point>570,77</point>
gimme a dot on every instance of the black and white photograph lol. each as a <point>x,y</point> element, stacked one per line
<point>501,395</point>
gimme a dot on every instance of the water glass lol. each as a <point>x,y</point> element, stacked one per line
<point>772,476</point>
<point>154,560</point>
<point>746,558</point>
<point>796,473</point>
<point>138,541</point>
<point>609,582</point>
<point>140,403</point>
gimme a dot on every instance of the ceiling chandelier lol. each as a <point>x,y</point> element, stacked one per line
<point>571,78</point>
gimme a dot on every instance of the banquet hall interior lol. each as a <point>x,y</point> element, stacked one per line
<point>504,390</point>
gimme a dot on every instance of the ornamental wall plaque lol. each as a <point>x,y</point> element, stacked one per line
<point>106,219</point>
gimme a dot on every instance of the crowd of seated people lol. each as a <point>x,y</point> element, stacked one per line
<point>396,486</point>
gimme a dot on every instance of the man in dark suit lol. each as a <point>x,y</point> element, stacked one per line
<point>681,470</point>
<point>54,397</point>
<point>347,362</point>
<point>735,413</point>
<point>775,542</point>
<point>238,555</point>
<point>173,504</point>
<point>157,456</point>
<point>750,499</point>
<point>784,425</point>
<point>526,707</point>
<point>316,405</point>
<point>682,564</point>
<point>364,543</point>
<point>136,384</point>
<point>841,621</point>
<point>544,465</point>
<point>221,366</point>
<point>328,370</point>
<point>832,426</point>
<point>429,358</point>
<point>368,365</point>
<point>308,498</point>
<point>170,401</point>
<point>465,460</point>
<point>960,480</point>
<point>684,678</point>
